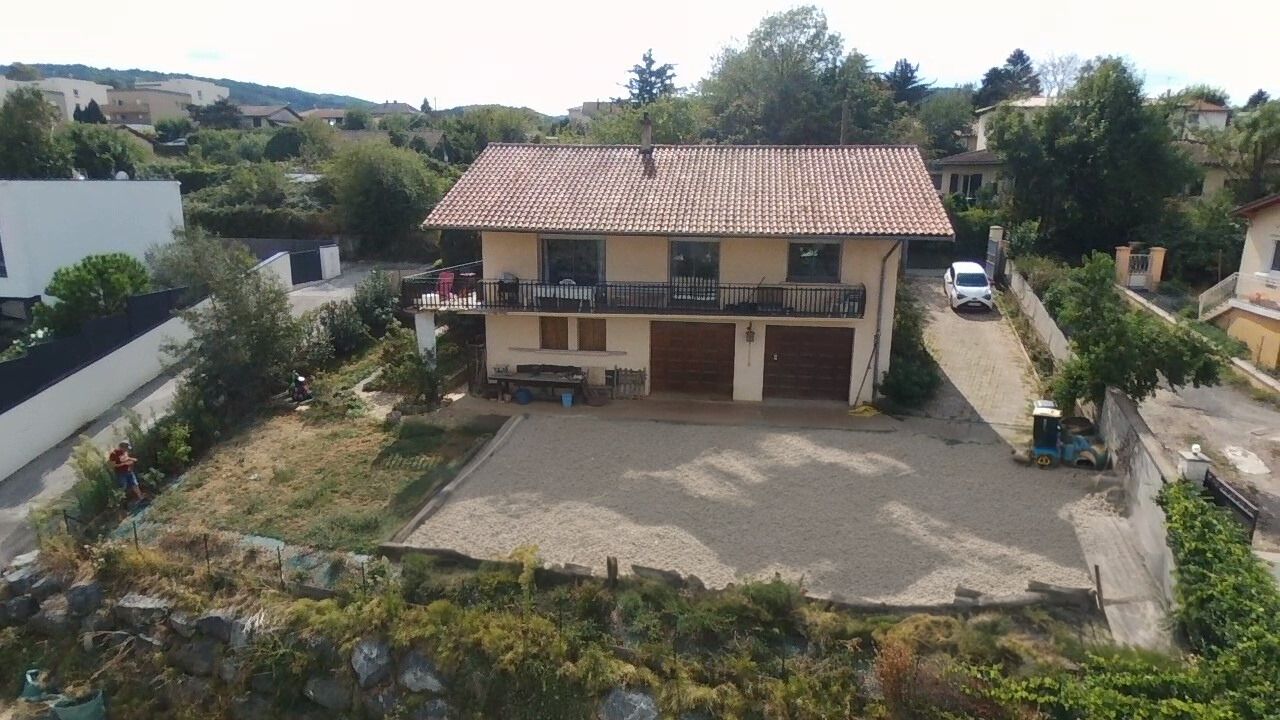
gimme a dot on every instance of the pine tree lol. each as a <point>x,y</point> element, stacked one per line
<point>1257,99</point>
<point>650,81</point>
<point>77,114</point>
<point>1017,78</point>
<point>93,113</point>
<point>905,83</point>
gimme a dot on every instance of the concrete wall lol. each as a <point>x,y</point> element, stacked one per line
<point>330,262</point>
<point>279,266</point>
<point>49,224</point>
<point>1259,332</point>
<point>47,419</point>
<point>1141,463</point>
<point>1044,325</point>
<point>1260,242</point>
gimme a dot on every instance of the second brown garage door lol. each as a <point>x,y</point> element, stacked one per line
<point>807,362</point>
<point>694,358</point>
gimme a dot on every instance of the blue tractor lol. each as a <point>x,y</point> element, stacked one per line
<point>1056,440</point>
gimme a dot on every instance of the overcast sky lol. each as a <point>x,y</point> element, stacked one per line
<point>551,55</point>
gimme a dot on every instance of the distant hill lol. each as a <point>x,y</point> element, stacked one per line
<point>244,93</point>
<point>461,109</point>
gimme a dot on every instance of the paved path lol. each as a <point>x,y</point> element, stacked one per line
<point>50,475</point>
<point>987,383</point>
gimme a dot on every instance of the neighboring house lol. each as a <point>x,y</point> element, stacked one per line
<point>1247,304</point>
<point>330,116</point>
<point>49,224</point>
<point>63,93</point>
<point>592,108</point>
<point>391,108</point>
<point>967,172</point>
<point>261,116</point>
<point>201,92</point>
<point>145,106</point>
<point>732,272</point>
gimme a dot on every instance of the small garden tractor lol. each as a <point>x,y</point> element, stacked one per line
<point>1057,440</point>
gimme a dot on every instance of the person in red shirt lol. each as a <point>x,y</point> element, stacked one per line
<point>122,462</point>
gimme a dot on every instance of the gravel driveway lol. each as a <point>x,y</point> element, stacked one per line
<point>897,517</point>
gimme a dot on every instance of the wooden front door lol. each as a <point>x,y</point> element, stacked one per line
<point>807,362</point>
<point>690,357</point>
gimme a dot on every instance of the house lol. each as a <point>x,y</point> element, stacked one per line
<point>201,92</point>
<point>731,272</point>
<point>391,108</point>
<point>330,116</point>
<point>49,224</point>
<point>145,106</point>
<point>261,116</point>
<point>66,94</point>
<point>593,108</point>
<point>1247,303</point>
<point>968,172</point>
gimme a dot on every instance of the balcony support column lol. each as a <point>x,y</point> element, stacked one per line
<point>424,325</point>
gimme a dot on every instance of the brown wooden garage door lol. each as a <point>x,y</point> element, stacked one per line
<point>807,362</point>
<point>687,357</point>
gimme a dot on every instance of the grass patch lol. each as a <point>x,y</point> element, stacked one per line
<point>336,485</point>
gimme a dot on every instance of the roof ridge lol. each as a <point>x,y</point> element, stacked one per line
<point>896,146</point>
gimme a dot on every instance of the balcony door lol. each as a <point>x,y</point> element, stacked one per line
<point>695,273</point>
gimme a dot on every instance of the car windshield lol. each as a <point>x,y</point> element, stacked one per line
<point>971,280</point>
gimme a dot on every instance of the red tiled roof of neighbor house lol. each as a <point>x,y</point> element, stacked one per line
<point>973,157</point>
<point>719,190</point>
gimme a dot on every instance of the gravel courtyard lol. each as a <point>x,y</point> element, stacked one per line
<point>898,517</point>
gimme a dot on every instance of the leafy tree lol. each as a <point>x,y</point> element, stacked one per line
<point>650,81</point>
<point>254,184</point>
<point>93,113</point>
<point>1207,93</point>
<point>1017,78</point>
<point>382,192</point>
<point>357,119</point>
<point>1116,346</point>
<point>376,302</point>
<point>228,147</point>
<point>220,115</point>
<point>1058,73</point>
<point>945,115</point>
<point>465,136</point>
<point>676,120</point>
<point>96,286</point>
<point>242,340</point>
<point>1203,236</point>
<point>99,151</point>
<point>913,376</point>
<point>1250,148</point>
<point>1257,99</point>
<point>782,87</point>
<point>904,81</point>
<point>22,72</point>
<point>1093,167</point>
<point>194,257</point>
<point>394,123</point>
<point>425,107</point>
<point>319,139</point>
<point>170,129</point>
<point>28,147</point>
<point>285,143</point>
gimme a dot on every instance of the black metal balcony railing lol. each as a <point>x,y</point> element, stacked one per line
<point>460,292</point>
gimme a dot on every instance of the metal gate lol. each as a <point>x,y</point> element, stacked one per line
<point>1139,272</point>
<point>305,266</point>
<point>1230,498</point>
<point>995,258</point>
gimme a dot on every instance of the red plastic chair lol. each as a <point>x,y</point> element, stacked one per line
<point>444,287</point>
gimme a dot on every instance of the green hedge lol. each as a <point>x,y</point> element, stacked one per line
<point>243,221</point>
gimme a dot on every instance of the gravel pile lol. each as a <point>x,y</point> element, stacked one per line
<point>895,517</point>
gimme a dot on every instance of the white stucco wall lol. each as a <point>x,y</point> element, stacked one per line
<point>330,262</point>
<point>48,224</point>
<point>1260,243</point>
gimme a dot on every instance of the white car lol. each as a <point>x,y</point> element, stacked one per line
<point>967,286</point>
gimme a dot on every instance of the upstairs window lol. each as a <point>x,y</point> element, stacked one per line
<point>580,261</point>
<point>813,262</point>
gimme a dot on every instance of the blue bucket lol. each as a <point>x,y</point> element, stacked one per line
<point>566,399</point>
<point>524,396</point>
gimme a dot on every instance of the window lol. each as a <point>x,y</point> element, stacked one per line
<point>1275,259</point>
<point>578,259</point>
<point>813,262</point>
<point>972,184</point>
<point>971,280</point>
<point>591,334</point>
<point>954,186</point>
<point>695,260</point>
<point>554,333</point>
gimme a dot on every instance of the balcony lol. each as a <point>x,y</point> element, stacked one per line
<point>459,291</point>
<point>1259,291</point>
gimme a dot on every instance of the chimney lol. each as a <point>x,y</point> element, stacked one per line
<point>646,135</point>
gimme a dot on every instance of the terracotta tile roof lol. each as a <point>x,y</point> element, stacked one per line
<point>739,190</point>
<point>973,157</point>
<point>1257,206</point>
<point>325,113</point>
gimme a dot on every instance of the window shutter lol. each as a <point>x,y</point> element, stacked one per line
<point>591,334</point>
<point>554,333</point>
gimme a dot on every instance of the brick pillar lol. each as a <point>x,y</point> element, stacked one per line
<point>1122,264</point>
<point>1157,266</point>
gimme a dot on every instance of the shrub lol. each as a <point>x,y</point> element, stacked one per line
<point>376,301</point>
<point>405,370</point>
<point>346,330</point>
<point>97,286</point>
<point>913,375</point>
<point>95,489</point>
<point>315,348</point>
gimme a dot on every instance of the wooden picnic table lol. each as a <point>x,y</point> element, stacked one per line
<point>508,381</point>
